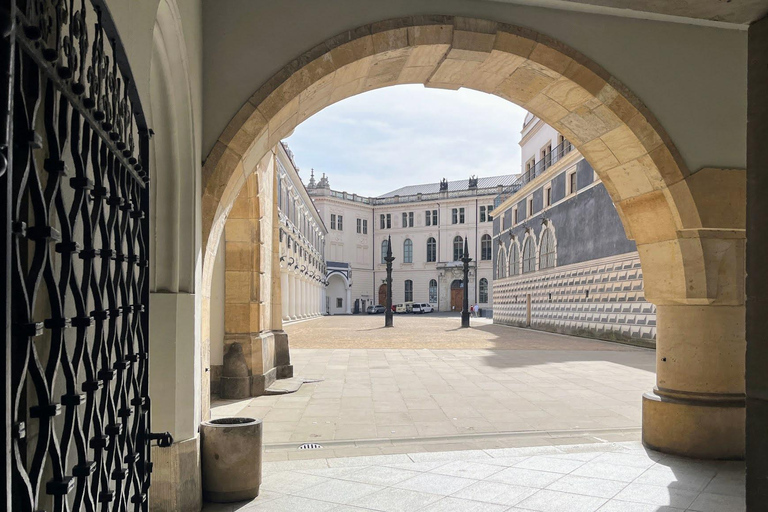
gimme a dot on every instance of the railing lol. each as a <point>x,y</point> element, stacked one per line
<point>538,169</point>
<point>378,201</point>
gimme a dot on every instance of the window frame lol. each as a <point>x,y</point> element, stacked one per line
<point>529,261</point>
<point>482,213</point>
<point>333,221</point>
<point>407,251</point>
<point>460,249</point>
<point>408,290</point>
<point>572,182</point>
<point>529,206</point>
<point>486,247</point>
<point>483,292</point>
<point>432,291</point>
<point>384,251</point>
<point>431,241</point>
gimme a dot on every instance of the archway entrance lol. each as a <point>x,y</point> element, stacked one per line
<point>691,245</point>
<point>457,295</point>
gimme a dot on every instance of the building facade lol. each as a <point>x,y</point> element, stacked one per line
<point>562,260</point>
<point>428,226</point>
<point>302,243</point>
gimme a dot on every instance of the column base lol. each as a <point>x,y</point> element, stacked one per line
<point>701,429</point>
<point>176,483</point>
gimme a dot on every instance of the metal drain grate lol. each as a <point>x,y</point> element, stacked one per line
<point>310,446</point>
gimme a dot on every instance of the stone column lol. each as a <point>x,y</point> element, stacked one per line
<point>697,284</point>
<point>286,294</point>
<point>242,282</point>
<point>757,254</point>
<point>323,300</point>
<point>349,300</point>
<point>294,299</point>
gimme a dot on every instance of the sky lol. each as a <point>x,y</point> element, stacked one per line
<point>387,138</point>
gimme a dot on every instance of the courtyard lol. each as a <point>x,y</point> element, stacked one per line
<point>429,416</point>
<point>427,384</point>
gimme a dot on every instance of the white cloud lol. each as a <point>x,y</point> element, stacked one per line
<point>387,138</point>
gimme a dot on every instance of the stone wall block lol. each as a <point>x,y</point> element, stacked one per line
<point>430,35</point>
<point>623,144</point>
<point>516,44</point>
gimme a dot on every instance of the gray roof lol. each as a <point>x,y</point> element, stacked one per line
<point>431,188</point>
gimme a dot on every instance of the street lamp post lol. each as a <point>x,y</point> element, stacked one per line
<point>389,259</point>
<point>465,307</point>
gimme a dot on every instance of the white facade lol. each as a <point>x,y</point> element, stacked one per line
<point>425,266</point>
<point>302,239</point>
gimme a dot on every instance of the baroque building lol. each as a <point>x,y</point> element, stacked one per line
<point>428,225</point>
<point>562,260</point>
<point>302,243</point>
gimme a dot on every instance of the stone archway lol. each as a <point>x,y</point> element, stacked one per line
<point>689,227</point>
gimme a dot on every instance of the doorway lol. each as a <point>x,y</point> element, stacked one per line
<point>383,295</point>
<point>457,295</point>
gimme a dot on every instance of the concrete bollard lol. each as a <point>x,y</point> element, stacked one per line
<point>231,459</point>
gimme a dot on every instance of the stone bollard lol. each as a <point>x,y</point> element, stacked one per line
<point>231,459</point>
<point>235,376</point>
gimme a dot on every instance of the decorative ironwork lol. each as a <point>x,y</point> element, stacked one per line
<point>77,185</point>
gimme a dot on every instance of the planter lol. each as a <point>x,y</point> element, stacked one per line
<point>231,459</point>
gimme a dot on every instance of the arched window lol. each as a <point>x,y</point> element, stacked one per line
<point>484,291</point>
<point>458,248</point>
<point>486,248</point>
<point>407,251</point>
<point>433,291</point>
<point>383,251</point>
<point>547,250</point>
<point>501,264</point>
<point>514,259</point>
<point>431,250</point>
<point>408,290</point>
<point>529,255</point>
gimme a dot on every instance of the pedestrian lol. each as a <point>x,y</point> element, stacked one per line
<point>477,310</point>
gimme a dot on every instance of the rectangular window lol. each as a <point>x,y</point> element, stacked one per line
<point>333,221</point>
<point>454,216</point>
<point>340,226</point>
<point>405,220</point>
<point>381,218</point>
<point>428,218</point>
<point>389,221</point>
<point>339,302</point>
<point>461,215</point>
<point>365,226</point>
<point>490,209</point>
<point>359,226</point>
<point>516,218</point>
<point>408,290</point>
<point>482,214</point>
<point>572,183</point>
<point>410,219</point>
<point>548,196</point>
<point>530,206</point>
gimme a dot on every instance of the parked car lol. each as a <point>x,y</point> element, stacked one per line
<point>374,310</point>
<point>400,308</point>
<point>423,308</point>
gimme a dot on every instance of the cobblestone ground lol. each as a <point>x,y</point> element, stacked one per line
<point>435,386</point>
<point>435,331</point>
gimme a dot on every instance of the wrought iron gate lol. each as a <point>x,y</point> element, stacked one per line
<point>75,268</point>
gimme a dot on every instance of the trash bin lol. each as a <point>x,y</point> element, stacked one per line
<point>231,459</point>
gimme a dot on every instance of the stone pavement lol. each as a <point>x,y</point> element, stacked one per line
<point>604,477</point>
<point>384,399</point>
<point>434,330</point>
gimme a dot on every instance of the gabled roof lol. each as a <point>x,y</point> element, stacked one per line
<point>431,188</point>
